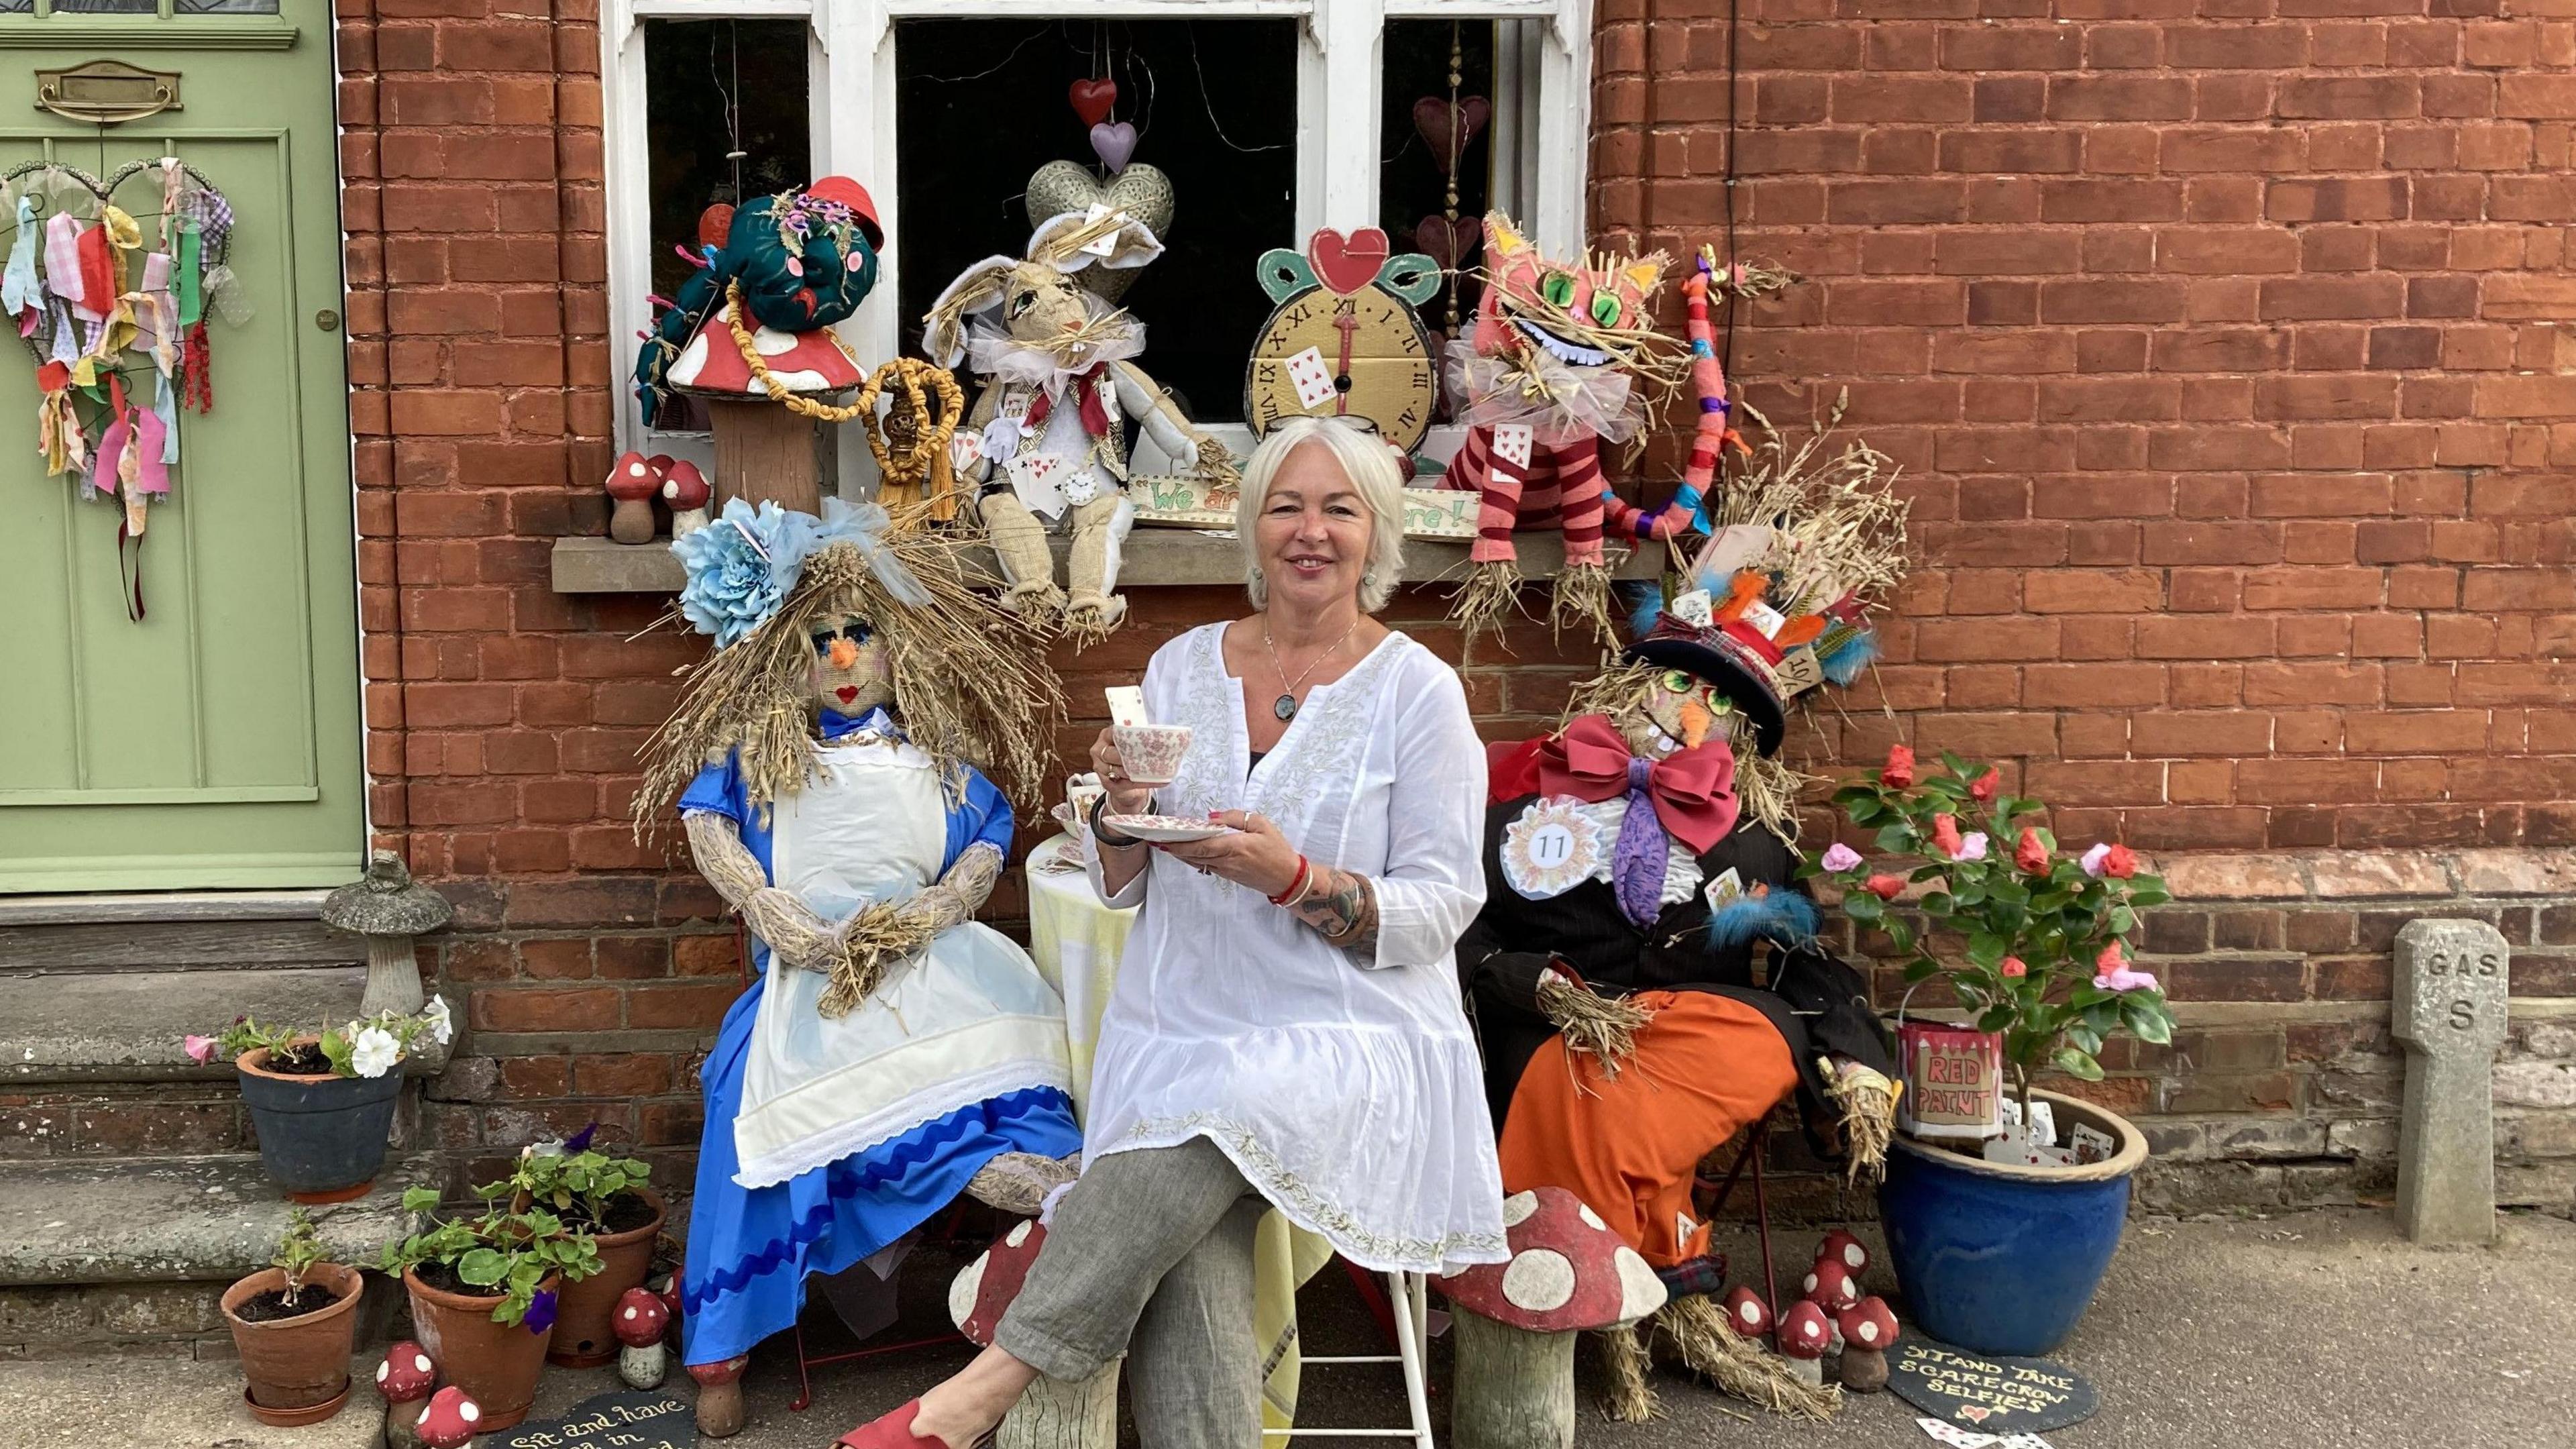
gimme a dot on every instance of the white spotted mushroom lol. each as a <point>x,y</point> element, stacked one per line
<point>631,485</point>
<point>1804,1336</point>
<point>405,1378</point>
<point>686,490</point>
<point>1747,1314</point>
<point>640,1320</point>
<point>1843,1248</point>
<point>979,1296</point>
<point>451,1420</point>
<point>1868,1329</point>
<point>1515,1321</point>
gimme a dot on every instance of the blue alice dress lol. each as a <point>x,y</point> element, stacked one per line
<point>827,1139</point>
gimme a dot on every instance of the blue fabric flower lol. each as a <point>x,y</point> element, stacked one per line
<point>741,567</point>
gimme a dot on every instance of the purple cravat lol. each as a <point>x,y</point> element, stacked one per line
<point>1637,861</point>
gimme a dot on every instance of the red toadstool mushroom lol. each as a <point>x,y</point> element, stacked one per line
<point>405,1379</point>
<point>1830,1286</point>
<point>1845,1249</point>
<point>981,1292</point>
<point>1868,1328</point>
<point>639,1321</point>
<point>720,1409</point>
<point>1515,1321</point>
<point>686,490</point>
<point>1747,1314</point>
<point>451,1420</point>
<point>1804,1337</point>
<point>632,483</point>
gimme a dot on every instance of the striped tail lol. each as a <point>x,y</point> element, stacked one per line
<point>1709,379</point>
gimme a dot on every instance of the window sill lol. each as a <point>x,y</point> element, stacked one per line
<point>1154,558</point>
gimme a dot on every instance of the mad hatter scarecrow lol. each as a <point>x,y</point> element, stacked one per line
<point>1047,437</point>
<point>1645,973</point>
<point>895,1052</point>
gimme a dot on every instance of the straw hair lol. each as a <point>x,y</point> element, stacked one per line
<point>1370,465</point>
<point>1768,789</point>
<point>970,683</point>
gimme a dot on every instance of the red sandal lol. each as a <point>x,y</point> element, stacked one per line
<point>893,1430</point>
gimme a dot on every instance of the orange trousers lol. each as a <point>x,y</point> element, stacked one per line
<point>1630,1146</point>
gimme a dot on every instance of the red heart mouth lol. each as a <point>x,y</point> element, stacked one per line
<point>847,692</point>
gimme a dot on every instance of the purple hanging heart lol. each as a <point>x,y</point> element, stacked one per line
<point>1448,242</point>
<point>1113,142</point>
<point>1447,129</point>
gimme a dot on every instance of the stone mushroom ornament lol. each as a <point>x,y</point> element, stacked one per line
<point>631,485</point>
<point>1830,1286</point>
<point>687,491</point>
<point>451,1420</point>
<point>720,1407</point>
<point>1805,1334</point>
<point>1747,1314</point>
<point>1046,441</point>
<point>1516,1321</point>
<point>640,1322</point>
<point>1840,1246</point>
<point>1054,1413</point>
<point>390,909</point>
<point>1868,1329</point>
<point>405,1378</point>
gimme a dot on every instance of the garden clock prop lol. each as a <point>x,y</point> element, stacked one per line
<point>1345,340</point>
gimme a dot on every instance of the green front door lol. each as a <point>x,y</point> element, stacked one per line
<point>214,743</point>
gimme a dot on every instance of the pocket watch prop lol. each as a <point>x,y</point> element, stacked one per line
<point>113,305</point>
<point>1563,360</point>
<point>750,336</point>
<point>1046,443</point>
<point>1345,340</point>
<point>828,762</point>
<point>1645,974</point>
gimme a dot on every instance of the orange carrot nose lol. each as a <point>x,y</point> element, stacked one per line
<point>844,654</point>
<point>1695,723</point>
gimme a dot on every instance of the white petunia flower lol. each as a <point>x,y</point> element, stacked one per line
<point>374,1052</point>
<point>442,1027</point>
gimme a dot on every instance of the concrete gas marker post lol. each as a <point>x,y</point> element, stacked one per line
<point>2449,1011</point>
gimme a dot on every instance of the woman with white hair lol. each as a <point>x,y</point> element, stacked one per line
<point>1284,1033</point>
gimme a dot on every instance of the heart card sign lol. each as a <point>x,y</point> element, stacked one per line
<point>1991,1394</point>
<point>652,1419</point>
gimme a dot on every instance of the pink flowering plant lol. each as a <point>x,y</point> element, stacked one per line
<point>2045,964</point>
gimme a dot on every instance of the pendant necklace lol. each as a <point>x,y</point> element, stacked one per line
<point>1284,708</point>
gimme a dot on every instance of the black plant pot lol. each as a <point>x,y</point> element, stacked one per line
<point>321,1138</point>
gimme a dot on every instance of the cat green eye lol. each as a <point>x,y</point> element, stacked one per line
<point>1557,288</point>
<point>1605,309</point>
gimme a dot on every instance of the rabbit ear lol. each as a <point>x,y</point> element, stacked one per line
<point>976,288</point>
<point>1107,238</point>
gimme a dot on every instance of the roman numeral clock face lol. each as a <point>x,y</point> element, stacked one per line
<point>1360,354</point>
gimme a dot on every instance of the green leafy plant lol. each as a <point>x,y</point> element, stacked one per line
<point>298,1251</point>
<point>367,1047</point>
<point>572,1179</point>
<point>2044,960</point>
<point>498,1251</point>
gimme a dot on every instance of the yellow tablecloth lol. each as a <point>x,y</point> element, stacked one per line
<point>1076,942</point>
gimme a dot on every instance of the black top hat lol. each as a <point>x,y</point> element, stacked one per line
<point>1732,655</point>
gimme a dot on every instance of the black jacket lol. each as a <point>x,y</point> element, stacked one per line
<point>1819,1004</point>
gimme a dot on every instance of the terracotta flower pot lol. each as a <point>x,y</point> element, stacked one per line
<point>298,1367</point>
<point>584,1331</point>
<point>320,1138</point>
<point>496,1364</point>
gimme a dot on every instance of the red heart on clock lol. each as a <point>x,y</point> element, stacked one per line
<point>1092,99</point>
<point>1347,264</point>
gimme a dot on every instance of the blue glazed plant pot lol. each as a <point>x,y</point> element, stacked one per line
<point>320,1138</point>
<point>2000,1258</point>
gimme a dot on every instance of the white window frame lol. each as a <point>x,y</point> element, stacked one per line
<point>1541,142</point>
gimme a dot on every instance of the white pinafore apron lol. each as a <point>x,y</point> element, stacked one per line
<point>967,1020</point>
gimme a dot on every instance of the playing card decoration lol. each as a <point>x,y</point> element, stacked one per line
<point>1345,340</point>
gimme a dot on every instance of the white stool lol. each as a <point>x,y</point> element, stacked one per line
<point>1412,1304</point>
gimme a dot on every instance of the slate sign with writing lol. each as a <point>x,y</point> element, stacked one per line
<point>1987,1393</point>
<point>653,1419</point>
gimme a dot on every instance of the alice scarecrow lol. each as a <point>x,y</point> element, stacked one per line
<point>894,1051</point>
<point>1047,437</point>
<point>1645,973</point>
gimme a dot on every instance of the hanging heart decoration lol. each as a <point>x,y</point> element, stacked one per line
<point>1092,99</point>
<point>1448,240</point>
<point>1447,128</point>
<point>715,224</point>
<point>1113,142</point>
<point>1347,263</point>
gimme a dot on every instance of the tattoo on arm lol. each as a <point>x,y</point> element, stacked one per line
<point>1342,907</point>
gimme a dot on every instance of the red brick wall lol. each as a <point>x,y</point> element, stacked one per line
<point>2222,343</point>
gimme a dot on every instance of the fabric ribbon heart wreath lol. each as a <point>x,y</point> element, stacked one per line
<point>1688,795</point>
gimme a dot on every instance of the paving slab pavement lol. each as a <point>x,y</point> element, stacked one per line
<point>2301,1331</point>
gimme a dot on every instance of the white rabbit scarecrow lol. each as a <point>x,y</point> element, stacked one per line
<point>1047,439</point>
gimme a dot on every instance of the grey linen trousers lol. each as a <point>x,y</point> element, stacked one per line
<point>1151,1253</point>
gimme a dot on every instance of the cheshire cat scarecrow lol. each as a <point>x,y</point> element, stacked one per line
<point>1047,437</point>
<point>1563,359</point>
<point>894,1051</point>
<point>1645,974</point>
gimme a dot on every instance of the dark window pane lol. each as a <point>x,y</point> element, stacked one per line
<point>1414,177</point>
<point>983,105</point>
<point>105,7</point>
<point>225,7</point>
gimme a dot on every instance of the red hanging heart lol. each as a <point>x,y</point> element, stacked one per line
<point>1347,264</point>
<point>1092,99</point>
<point>1446,130</point>
<point>1446,241</point>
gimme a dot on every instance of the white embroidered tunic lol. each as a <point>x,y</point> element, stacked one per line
<point>1344,1086</point>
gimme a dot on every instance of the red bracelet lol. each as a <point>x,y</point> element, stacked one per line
<point>1296,883</point>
